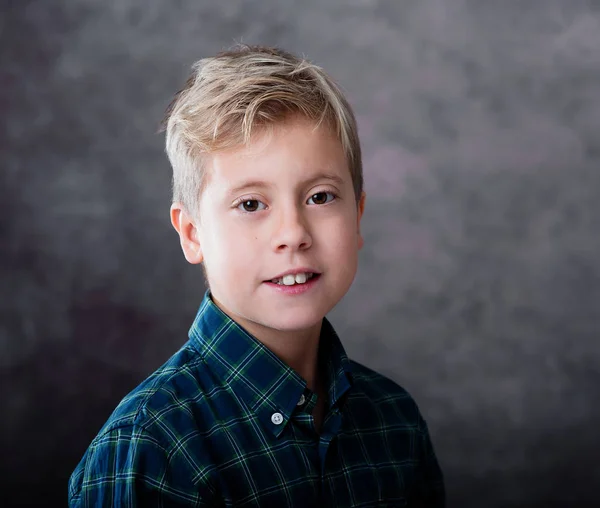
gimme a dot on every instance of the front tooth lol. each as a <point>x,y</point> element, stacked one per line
<point>289,280</point>
<point>300,278</point>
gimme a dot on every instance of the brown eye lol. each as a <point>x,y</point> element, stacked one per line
<point>251,205</point>
<point>321,198</point>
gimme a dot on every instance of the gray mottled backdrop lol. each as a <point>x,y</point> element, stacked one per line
<point>479,284</point>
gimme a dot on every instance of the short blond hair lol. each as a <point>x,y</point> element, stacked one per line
<point>247,87</point>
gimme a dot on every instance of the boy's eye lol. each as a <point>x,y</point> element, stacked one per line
<point>320,198</point>
<point>251,205</point>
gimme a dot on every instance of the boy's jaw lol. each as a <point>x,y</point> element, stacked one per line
<point>278,308</point>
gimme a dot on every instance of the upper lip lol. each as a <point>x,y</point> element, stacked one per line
<point>294,272</point>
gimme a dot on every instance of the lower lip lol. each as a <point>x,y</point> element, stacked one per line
<point>296,289</point>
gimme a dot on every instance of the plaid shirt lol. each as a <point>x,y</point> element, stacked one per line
<point>224,422</point>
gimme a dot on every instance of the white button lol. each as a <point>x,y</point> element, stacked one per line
<point>277,418</point>
<point>302,400</point>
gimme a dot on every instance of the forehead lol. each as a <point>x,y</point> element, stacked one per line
<point>295,149</point>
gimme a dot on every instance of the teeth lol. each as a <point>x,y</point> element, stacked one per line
<point>300,278</point>
<point>290,280</point>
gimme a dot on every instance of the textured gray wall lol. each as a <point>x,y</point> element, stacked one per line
<point>479,285</point>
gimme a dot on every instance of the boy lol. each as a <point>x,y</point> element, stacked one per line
<point>262,407</point>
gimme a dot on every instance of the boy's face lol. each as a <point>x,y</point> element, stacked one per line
<point>284,202</point>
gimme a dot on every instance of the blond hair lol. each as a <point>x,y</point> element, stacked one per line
<point>248,87</point>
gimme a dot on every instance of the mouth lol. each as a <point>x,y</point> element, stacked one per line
<point>294,279</point>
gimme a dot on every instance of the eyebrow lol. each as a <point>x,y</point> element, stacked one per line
<point>262,184</point>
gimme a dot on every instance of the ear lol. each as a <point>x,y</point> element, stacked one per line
<point>188,234</point>
<point>361,209</point>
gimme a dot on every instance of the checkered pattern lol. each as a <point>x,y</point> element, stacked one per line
<point>222,423</point>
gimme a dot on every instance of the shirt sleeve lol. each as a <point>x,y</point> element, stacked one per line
<point>127,467</point>
<point>430,491</point>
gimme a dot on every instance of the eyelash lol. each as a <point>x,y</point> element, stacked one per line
<point>240,202</point>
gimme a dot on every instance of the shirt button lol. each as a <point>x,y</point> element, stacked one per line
<point>277,418</point>
<point>302,400</point>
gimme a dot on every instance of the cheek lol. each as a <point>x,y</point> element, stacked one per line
<point>340,239</point>
<point>234,249</point>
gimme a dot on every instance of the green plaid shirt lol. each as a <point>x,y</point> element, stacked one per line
<point>224,422</point>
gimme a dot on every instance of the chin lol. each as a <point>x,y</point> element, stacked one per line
<point>292,321</point>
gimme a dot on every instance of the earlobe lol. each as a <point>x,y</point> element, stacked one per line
<point>188,234</point>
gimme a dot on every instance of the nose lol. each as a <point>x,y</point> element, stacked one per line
<point>291,231</point>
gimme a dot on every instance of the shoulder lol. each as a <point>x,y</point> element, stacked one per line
<point>163,398</point>
<point>376,384</point>
<point>143,438</point>
<point>385,394</point>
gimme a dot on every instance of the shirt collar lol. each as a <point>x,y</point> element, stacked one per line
<point>264,383</point>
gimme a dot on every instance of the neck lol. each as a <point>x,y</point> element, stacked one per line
<point>298,349</point>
